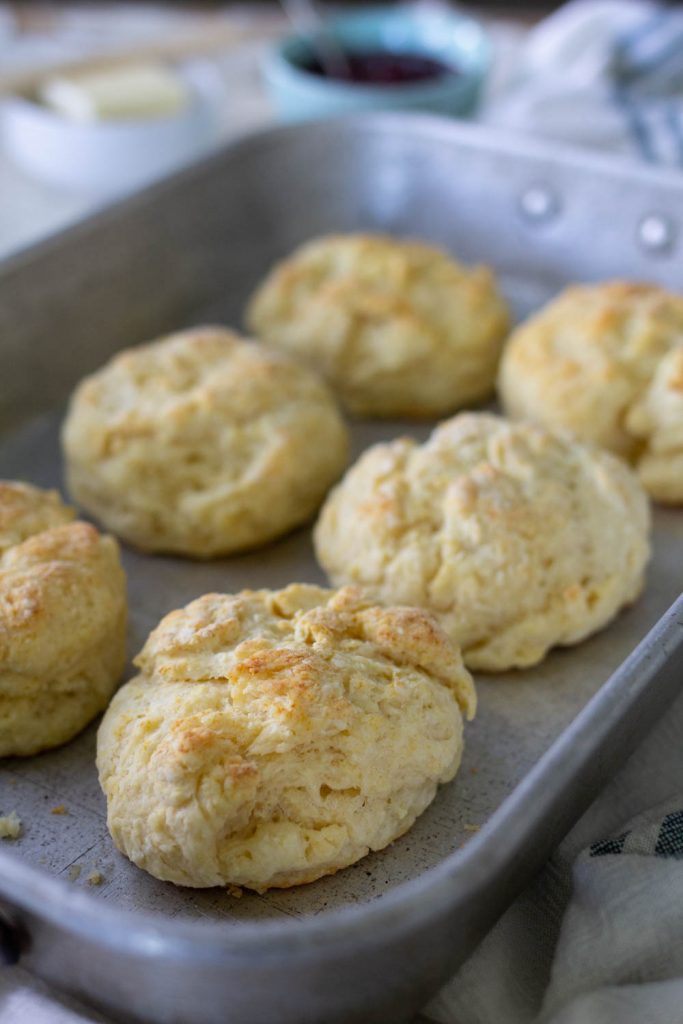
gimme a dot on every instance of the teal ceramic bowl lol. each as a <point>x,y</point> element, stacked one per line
<point>450,38</point>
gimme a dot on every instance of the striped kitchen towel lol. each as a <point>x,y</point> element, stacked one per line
<point>619,957</point>
<point>647,71</point>
<point>601,73</point>
<point>598,937</point>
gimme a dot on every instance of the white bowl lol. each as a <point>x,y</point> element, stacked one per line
<point>108,156</point>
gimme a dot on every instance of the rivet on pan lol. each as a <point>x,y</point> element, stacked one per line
<point>656,233</point>
<point>539,203</point>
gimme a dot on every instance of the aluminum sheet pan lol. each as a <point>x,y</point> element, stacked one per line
<point>189,251</point>
<point>520,714</point>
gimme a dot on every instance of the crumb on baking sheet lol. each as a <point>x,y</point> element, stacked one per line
<point>75,872</point>
<point>95,878</point>
<point>236,891</point>
<point>471,828</point>
<point>59,809</point>
<point>10,826</point>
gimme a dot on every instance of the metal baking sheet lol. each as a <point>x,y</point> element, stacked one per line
<point>520,714</point>
<point>189,251</point>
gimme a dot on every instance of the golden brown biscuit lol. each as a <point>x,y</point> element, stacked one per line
<point>202,444</point>
<point>26,510</point>
<point>657,421</point>
<point>589,361</point>
<point>62,620</point>
<point>517,537</point>
<point>398,328</point>
<point>275,737</point>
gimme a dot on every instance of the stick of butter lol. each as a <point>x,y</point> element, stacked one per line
<point>129,91</point>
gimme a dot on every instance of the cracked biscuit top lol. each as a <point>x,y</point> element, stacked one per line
<point>62,620</point>
<point>274,737</point>
<point>398,328</point>
<point>604,361</point>
<point>517,537</point>
<point>202,443</point>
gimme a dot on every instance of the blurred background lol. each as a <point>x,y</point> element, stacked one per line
<point>98,99</point>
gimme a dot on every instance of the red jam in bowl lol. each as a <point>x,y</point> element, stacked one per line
<point>379,67</point>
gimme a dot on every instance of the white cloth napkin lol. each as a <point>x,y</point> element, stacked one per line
<point>598,937</point>
<point>601,73</point>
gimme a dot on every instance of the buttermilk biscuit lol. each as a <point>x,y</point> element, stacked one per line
<point>62,620</point>
<point>657,421</point>
<point>398,328</point>
<point>202,444</point>
<point>275,737</point>
<point>517,537</point>
<point>598,360</point>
